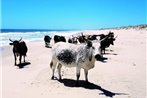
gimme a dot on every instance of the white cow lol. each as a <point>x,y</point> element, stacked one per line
<point>79,56</point>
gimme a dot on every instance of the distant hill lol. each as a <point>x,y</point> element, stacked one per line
<point>137,27</point>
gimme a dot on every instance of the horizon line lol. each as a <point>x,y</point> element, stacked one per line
<point>73,29</point>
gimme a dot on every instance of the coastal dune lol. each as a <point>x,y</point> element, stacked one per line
<point>123,75</point>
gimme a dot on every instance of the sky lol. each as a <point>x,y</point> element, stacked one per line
<point>71,14</point>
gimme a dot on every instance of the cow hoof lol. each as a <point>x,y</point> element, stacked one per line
<point>60,80</point>
<point>52,77</point>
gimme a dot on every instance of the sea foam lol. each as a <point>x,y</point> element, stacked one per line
<point>30,36</point>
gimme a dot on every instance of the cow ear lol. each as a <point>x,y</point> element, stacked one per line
<point>10,43</point>
<point>89,43</point>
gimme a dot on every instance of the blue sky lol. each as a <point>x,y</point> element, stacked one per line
<point>72,14</point>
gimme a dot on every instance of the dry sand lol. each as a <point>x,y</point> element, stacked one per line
<point>122,76</point>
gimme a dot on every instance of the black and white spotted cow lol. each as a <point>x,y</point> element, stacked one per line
<point>71,55</point>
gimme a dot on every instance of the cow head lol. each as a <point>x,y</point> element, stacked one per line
<point>15,42</point>
<point>111,39</point>
<point>94,51</point>
<point>111,34</point>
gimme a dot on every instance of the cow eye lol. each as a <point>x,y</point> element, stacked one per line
<point>93,47</point>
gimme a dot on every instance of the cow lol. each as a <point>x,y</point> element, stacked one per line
<point>19,49</point>
<point>47,40</point>
<point>82,39</point>
<point>71,55</point>
<point>58,38</point>
<point>109,40</point>
<point>73,40</point>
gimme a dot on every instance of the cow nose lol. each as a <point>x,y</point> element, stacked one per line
<point>100,57</point>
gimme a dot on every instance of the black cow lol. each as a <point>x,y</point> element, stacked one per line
<point>82,39</point>
<point>19,49</point>
<point>47,40</point>
<point>58,38</point>
<point>108,40</point>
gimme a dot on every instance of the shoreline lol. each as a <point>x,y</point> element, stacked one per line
<point>5,39</point>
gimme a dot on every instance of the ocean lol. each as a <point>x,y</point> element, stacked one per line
<point>29,35</point>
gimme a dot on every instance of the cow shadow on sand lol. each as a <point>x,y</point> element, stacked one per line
<point>22,65</point>
<point>48,46</point>
<point>89,85</point>
<point>110,52</point>
<point>103,60</point>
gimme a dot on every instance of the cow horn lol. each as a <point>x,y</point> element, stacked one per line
<point>82,34</point>
<point>103,39</point>
<point>10,40</point>
<point>20,39</point>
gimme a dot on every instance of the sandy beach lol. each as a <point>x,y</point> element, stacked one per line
<point>122,76</point>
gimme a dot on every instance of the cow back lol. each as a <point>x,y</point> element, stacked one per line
<point>22,48</point>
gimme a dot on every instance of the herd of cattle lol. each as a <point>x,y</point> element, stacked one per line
<point>105,43</point>
<point>79,52</point>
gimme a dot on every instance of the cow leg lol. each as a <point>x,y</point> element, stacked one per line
<point>15,58</point>
<point>100,50</point>
<point>104,50</point>
<point>59,70</point>
<point>48,44</point>
<point>86,75</point>
<point>20,59</point>
<point>78,75</point>
<point>45,44</point>
<point>53,66</point>
<point>24,58</point>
